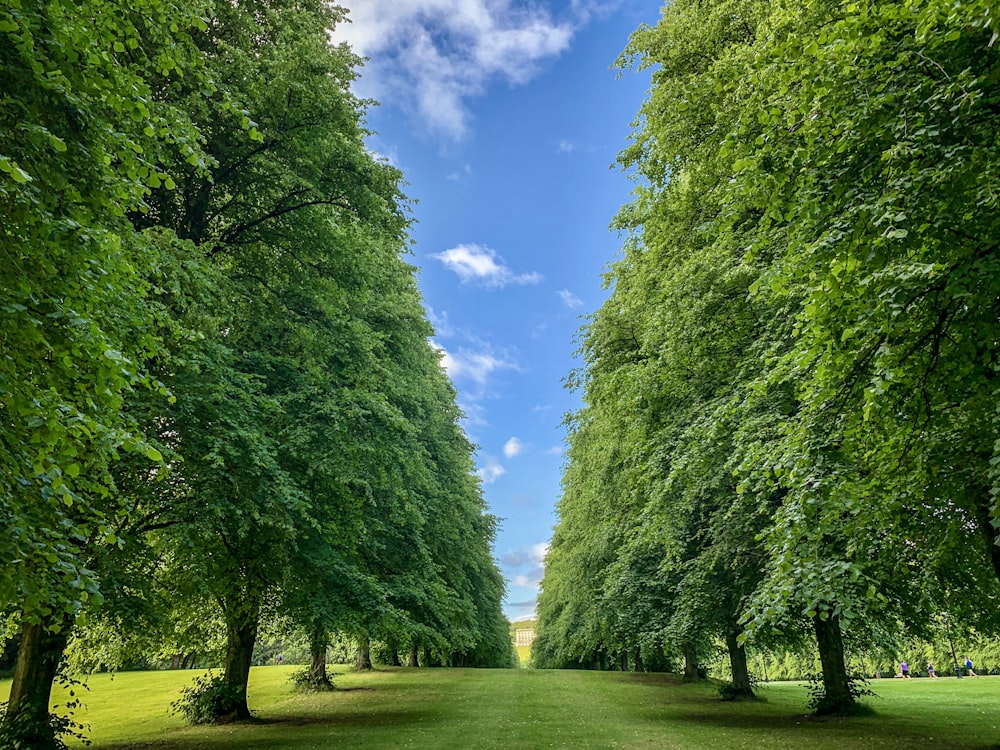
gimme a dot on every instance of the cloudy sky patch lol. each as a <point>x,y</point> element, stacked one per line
<point>433,55</point>
<point>513,447</point>
<point>478,264</point>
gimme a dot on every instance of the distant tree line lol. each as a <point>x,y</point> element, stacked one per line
<point>219,408</point>
<point>790,431</point>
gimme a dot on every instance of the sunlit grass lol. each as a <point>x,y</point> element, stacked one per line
<point>437,709</point>
<point>524,654</point>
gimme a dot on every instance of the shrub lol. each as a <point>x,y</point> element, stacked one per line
<point>304,680</point>
<point>857,685</point>
<point>208,700</point>
<point>729,692</point>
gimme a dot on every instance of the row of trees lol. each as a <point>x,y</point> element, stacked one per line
<point>791,426</point>
<point>218,402</point>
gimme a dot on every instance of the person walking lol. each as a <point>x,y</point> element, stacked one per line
<point>930,671</point>
<point>905,669</point>
<point>968,667</point>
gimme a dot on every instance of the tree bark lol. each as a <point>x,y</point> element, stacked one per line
<point>738,664</point>
<point>984,521</point>
<point>413,660</point>
<point>318,642</point>
<point>27,718</point>
<point>637,661</point>
<point>392,652</point>
<point>242,619</point>
<point>363,656</point>
<point>425,657</point>
<point>837,698</point>
<point>690,663</point>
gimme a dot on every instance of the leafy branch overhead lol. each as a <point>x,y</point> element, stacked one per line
<point>790,395</point>
<point>220,408</point>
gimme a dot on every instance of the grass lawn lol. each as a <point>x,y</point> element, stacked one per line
<point>523,654</point>
<point>522,709</point>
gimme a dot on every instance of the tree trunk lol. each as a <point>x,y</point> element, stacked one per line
<point>984,521</point>
<point>26,722</point>
<point>413,660</point>
<point>363,657</point>
<point>837,698</point>
<point>318,678</point>
<point>690,663</point>
<point>241,635</point>
<point>623,661</point>
<point>392,652</point>
<point>425,657</point>
<point>738,664</point>
<point>637,661</point>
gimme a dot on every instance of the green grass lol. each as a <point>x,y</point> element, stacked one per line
<point>523,654</point>
<point>524,709</point>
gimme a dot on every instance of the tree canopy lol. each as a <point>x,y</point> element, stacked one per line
<point>791,387</point>
<point>217,389</point>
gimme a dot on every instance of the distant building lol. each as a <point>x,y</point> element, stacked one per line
<point>524,636</point>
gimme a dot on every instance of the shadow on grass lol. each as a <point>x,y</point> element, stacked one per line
<point>736,720</point>
<point>248,734</point>
<point>851,729</point>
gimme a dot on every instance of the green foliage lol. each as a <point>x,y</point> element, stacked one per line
<point>84,137</point>
<point>790,394</point>
<point>25,734</point>
<point>220,404</point>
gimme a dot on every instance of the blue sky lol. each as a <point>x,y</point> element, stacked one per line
<point>505,118</point>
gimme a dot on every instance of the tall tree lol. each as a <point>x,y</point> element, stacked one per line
<point>266,400</point>
<point>884,162</point>
<point>84,138</point>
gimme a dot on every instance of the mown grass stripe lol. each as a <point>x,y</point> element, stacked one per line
<point>440,709</point>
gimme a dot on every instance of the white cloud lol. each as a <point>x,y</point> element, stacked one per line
<point>471,369</point>
<point>555,450</point>
<point>491,470</point>
<point>477,366</point>
<point>475,413</point>
<point>466,171</point>
<point>440,322</point>
<point>433,55</point>
<point>480,264</point>
<point>539,551</point>
<point>569,299</point>
<point>566,147</point>
<point>521,610</point>
<point>533,555</point>
<point>526,564</point>
<point>524,567</point>
<point>513,447</point>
